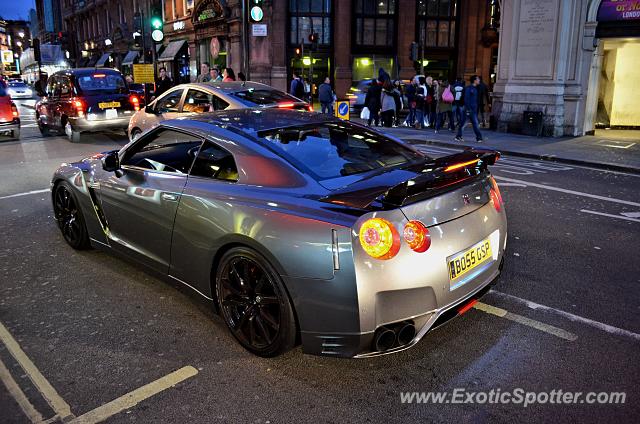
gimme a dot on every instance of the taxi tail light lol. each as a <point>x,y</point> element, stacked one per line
<point>14,110</point>
<point>286,105</point>
<point>135,102</point>
<point>496,196</point>
<point>417,236</point>
<point>78,105</point>
<point>310,108</point>
<point>379,238</point>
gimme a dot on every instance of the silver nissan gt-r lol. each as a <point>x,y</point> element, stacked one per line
<point>297,226</point>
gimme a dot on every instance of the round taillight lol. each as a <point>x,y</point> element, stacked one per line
<point>494,184</point>
<point>417,236</point>
<point>379,238</point>
<point>495,200</point>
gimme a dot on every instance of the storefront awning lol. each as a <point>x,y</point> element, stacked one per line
<point>103,59</point>
<point>130,57</point>
<point>171,51</point>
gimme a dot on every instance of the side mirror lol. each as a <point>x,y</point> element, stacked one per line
<point>111,162</point>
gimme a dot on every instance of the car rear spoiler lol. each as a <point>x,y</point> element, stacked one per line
<point>428,179</point>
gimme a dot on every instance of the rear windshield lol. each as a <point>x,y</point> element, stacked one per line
<point>332,150</point>
<point>101,82</point>
<point>17,84</point>
<point>261,97</point>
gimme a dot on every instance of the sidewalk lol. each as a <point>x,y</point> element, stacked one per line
<point>613,150</point>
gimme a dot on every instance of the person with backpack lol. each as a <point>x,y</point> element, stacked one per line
<point>297,87</point>
<point>372,102</point>
<point>387,104</point>
<point>458,100</point>
<point>445,106</point>
<point>421,94</point>
<point>325,96</point>
<point>471,109</point>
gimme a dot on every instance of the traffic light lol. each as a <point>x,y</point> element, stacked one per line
<point>157,32</point>
<point>413,52</point>
<point>137,40</point>
<point>299,52</point>
<point>313,39</point>
<point>256,11</point>
<point>137,22</point>
<point>35,44</point>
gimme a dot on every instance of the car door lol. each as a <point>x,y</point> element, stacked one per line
<point>140,202</point>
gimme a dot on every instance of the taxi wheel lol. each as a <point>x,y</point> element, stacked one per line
<point>16,134</point>
<point>74,136</point>
<point>44,130</point>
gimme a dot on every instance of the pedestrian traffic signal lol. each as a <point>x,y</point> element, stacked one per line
<point>157,33</point>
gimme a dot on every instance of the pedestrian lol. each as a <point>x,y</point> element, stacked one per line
<point>228,75</point>
<point>411,102</point>
<point>297,87</point>
<point>204,73</point>
<point>383,76</point>
<point>163,83</point>
<point>445,106</point>
<point>397,96</point>
<point>242,77</point>
<point>458,100</point>
<point>325,96</point>
<point>471,109</point>
<point>214,74</point>
<point>372,102</point>
<point>430,102</point>
<point>307,91</point>
<point>387,104</point>
<point>421,95</point>
<point>128,79</point>
<point>483,95</point>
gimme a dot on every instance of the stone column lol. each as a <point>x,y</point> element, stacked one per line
<point>277,38</point>
<point>342,46</point>
<point>407,11</point>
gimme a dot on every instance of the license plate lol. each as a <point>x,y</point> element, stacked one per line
<point>462,263</point>
<point>111,113</point>
<point>107,105</point>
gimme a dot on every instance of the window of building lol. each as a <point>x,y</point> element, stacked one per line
<point>375,22</point>
<point>437,23</point>
<point>307,16</point>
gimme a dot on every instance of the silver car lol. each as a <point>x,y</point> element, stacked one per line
<point>297,227</point>
<point>187,99</point>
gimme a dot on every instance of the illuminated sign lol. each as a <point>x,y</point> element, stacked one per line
<point>619,10</point>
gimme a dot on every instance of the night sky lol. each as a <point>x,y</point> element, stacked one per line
<point>16,9</point>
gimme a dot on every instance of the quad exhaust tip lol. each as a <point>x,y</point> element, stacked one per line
<point>396,335</point>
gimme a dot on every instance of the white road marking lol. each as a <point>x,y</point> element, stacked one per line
<point>610,215</point>
<point>546,328</point>
<point>131,399</point>
<point>512,185</point>
<point>59,406</point>
<point>631,214</point>
<point>575,318</point>
<point>26,193</point>
<point>19,396</point>
<point>564,190</point>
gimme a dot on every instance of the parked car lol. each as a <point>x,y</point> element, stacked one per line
<point>296,226</point>
<point>84,100</point>
<point>9,115</point>
<point>208,97</point>
<point>19,90</point>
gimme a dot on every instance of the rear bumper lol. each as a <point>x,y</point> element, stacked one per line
<point>83,124</point>
<point>11,125</point>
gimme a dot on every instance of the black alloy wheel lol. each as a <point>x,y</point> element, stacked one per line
<point>69,217</point>
<point>254,304</point>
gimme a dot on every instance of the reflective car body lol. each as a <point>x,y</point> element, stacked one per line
<point>196,98</point>
<point>19,90</point>
<point>289,206</point>
<point>9,115</point>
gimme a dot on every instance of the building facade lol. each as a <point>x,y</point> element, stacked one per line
<point>355,38</point>
<point>574,61</point>
<point>15,37</point>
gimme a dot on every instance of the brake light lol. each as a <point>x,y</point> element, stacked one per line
<point>135,102</point>
<point>310,108</point>
<point>496,196</point>
<point>79,107</point>
<point>379,238</point>
<point>460,165</point>
<point>417,236</point>
<point>14,110</point>
<point>286,105</point>
<point>99,75</point>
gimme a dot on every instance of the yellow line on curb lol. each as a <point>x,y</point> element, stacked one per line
<point>131,399</point>
<point>19,396</point>
<point>546,328</point>
<point>59,406</point>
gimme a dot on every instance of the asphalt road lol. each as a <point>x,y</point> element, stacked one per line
<point>565,317</point>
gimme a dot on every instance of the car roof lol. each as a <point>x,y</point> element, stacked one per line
<point>229,87</point>
<point>85,71</point>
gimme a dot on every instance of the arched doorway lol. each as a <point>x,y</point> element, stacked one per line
<point>613,89</point>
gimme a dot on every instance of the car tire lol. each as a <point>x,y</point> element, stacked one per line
<point>74,136</point>
<point>16,134</point>
<point>254,303</point>
<point>69,217</point>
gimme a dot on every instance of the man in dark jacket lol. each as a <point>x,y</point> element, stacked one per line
<point>483,99</point>
<point>373,103</point>
<point>325,96</point>
<point>163,83</point>
<point>470,108</point>
<point>297,87</point>
<point>458,99</point>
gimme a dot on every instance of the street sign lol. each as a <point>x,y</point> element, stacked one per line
<point>143,73</point>
<point>259,30</point>
<point>7,56</point>
<point>342,109</point>
<point>256,14</point>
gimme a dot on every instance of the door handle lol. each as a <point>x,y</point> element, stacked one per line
<point>169,197</point>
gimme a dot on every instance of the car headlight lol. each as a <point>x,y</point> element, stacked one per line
<point>11,92</point>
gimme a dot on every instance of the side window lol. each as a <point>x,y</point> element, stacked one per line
<point>164,150</point>
<point>65,87</point>
<point>170,102</point>
<point>51,86</point>
<point>219,104</point>
<point>215,162</point>
<point>197,102</point>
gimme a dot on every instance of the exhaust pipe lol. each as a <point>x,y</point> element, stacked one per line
<point>384,339</point>
<point>406,333</point>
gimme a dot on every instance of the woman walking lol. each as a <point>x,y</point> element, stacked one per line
<point>387,104</point>
<point>445,106</point>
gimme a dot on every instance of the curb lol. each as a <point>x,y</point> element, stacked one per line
<point>549,158</point>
